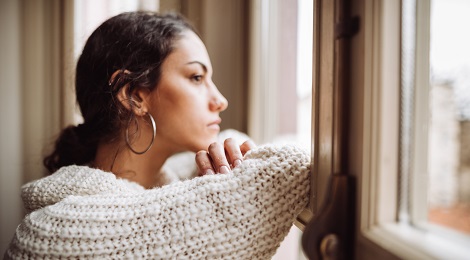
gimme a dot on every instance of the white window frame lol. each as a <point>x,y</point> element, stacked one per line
<point>378,198</point>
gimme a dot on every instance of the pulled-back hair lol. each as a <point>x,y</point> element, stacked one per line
<point>135,44</point>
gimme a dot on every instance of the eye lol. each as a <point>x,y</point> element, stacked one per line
<point>197,78</point>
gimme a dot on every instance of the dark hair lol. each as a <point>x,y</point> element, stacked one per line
<point>135,44</point>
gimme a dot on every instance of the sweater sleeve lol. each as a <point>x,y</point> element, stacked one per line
<point>241,215</point>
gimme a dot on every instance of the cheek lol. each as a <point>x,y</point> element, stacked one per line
<point>184,112</point>
<point>190,104</point>
<point>179,94</point>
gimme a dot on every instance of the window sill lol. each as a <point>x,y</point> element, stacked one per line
<point>409,242</point>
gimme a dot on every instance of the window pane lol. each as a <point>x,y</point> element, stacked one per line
<point>449,122</point>
<point>281,69</point>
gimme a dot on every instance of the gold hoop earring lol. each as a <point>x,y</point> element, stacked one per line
<point>154,128</point>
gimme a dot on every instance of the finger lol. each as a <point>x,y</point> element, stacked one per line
<point>234,155</point>
<point>218,158</point>
<point>246,146</point>
<point>204,163</point>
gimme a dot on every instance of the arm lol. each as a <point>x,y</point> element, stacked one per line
<point>243,214</point>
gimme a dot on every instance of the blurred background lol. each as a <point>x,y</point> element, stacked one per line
<point>449,116</point>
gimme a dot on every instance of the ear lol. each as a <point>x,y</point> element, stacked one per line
<point>135,100</point>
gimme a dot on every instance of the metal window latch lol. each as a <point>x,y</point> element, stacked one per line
<point>347,28</point>
<point>330,234</point>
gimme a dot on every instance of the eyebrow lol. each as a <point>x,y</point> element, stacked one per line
<point>204,67</point>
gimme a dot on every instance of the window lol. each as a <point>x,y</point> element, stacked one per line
<point>449,120</point>
<point>280,94</point>
<point>281,71</point>
<point>415,96</point>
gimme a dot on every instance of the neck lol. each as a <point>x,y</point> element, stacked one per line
<point>143,169</point>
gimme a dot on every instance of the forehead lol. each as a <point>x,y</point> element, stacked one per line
<point>187,49</point>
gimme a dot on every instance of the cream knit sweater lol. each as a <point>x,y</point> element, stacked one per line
<point>80,212</point>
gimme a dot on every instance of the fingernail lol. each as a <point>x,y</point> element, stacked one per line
<point>237,162</point>
<point>224,169</point>
<point>209,172</point>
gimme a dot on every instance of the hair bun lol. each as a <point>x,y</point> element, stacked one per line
<point>81,130</point>
<point>71,148</point>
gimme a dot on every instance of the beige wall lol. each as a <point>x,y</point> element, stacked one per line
<point>11,123</point>
<point>35,94</point>
<point>223,25</point>
<point>224,30</point>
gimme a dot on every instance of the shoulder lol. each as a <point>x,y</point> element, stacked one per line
<point>78,177</point>
<point>73,181</point>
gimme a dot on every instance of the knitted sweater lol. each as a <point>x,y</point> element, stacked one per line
<point>79,212</point>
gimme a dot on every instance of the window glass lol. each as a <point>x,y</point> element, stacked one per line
<point>449,122</point>
<point>304,69</point>
<point>295,91</point>
<point>294,66</point>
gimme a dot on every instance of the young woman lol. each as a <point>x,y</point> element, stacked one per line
<point>143,83</point>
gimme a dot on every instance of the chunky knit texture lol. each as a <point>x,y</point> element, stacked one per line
<point>80,212</point>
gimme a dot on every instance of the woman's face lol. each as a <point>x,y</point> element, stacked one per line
<point>186,103</point>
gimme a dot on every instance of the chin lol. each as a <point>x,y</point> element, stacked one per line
<point>202,142</point>
<point>205,145</point>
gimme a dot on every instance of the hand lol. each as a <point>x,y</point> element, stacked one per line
<point>222,158</point>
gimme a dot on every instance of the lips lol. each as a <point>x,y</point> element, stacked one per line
<point>215,124</point>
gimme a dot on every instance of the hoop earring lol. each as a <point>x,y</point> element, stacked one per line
<point>154,128</point>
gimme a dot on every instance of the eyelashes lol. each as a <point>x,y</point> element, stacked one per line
<point>197,78</point>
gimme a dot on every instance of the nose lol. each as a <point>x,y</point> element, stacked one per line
<point>217,102</point>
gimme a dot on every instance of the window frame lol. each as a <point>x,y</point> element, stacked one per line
<point>376,61</point>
